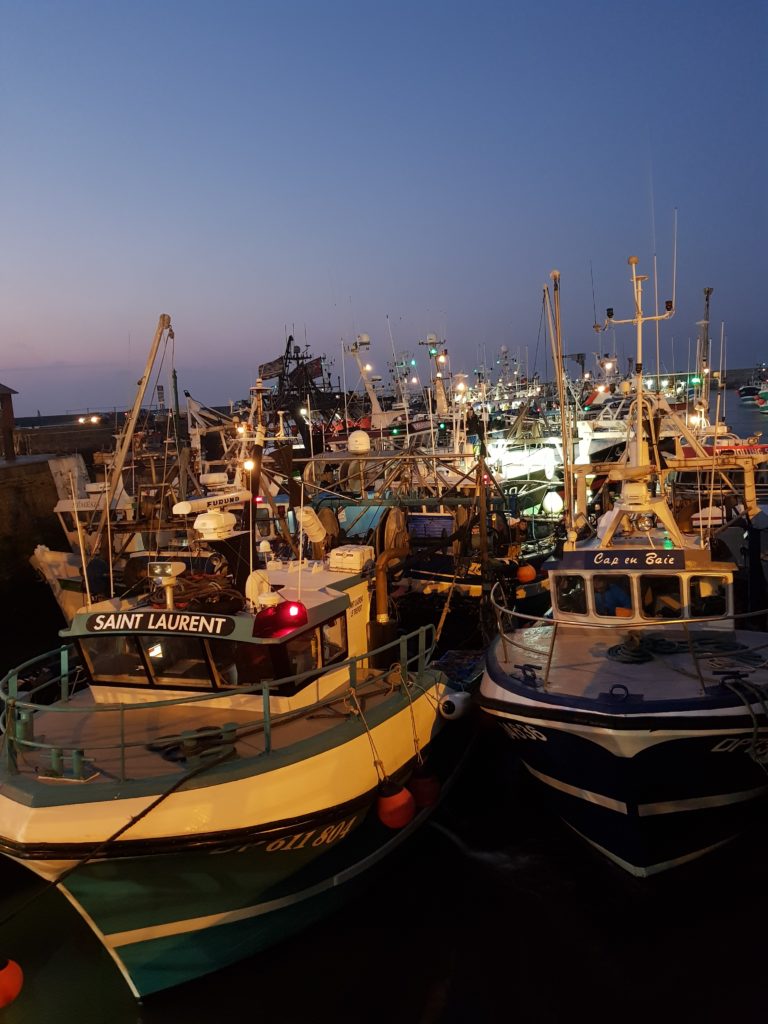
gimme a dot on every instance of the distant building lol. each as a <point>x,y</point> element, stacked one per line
<point>7,421</point>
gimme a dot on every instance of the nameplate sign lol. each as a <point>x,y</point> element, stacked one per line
<point>613,559</point>
<point>158,621</point>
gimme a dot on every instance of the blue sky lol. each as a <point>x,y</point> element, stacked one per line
<point>247,166</point>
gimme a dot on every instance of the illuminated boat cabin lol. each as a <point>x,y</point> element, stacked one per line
<point>151,653</point>
<point>640,586</point>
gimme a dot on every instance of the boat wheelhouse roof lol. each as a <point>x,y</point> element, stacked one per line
<point>321,591</point>
<point>631,558</point>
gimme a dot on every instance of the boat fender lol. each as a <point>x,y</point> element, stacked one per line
<point>11,981</point>
<point>395,805</point>
<point>311,525</point>
<point>425,787</point>
<point>456,705</point>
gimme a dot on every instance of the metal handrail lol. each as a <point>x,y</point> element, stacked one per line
<point>611,622</point>
<point>424,653</point>
<point>17,712</point>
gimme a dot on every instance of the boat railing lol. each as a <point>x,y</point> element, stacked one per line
<point>508,622</point>
<point>48,683</point>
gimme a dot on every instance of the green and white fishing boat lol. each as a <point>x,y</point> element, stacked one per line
<point>201,783</point>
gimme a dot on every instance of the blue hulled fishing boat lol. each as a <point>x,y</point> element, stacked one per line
<point>640,704</point>
<point>201,781</point>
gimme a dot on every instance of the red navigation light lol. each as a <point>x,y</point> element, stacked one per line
<point>258,500</point>
<point>280,619</point>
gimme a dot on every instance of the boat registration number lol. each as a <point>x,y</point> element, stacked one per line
<point>315,837</point>
<point>520,731</point>
<point>759,749</point>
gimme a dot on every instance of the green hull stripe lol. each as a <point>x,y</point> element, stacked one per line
<point>182,927</point>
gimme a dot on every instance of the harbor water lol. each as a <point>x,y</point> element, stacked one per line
<point>495,912</point>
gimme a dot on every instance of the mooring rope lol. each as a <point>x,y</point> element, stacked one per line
<point>100,847</point>
<point>378,764</point>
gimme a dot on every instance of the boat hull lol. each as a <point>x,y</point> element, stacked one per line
<point>650,791</point>
<point>179,910</point>
<point>169,919</point>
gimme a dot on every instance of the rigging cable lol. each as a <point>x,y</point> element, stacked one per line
<point>538,339</point>
<point>100,847</point>
<point>738,686</point>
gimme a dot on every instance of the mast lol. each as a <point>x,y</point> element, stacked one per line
<point>555,333</point>
<point>703,369</point>
<point>635,475</point>
<point>378,419</point>
<point>441,369</point>
<point>163,325</point>
<point>639,455</point>
<point>177,421</point>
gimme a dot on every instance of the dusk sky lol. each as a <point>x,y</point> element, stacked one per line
<point>247,166</point>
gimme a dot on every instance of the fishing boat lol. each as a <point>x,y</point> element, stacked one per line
<point>201,780</point>
<point>210,761</point>
<point>182,498</point>
<point>640,706</point>
<point>116,524</point>
<point>750,393</point>
<point>439,522</point>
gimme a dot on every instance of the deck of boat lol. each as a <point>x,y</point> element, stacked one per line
<point>582,666</point>
<point>145,741</point>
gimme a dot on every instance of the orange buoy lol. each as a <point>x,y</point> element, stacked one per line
<point>11,981</point>
<point>424,787</point>
<point>526,573</point>
<point>395,805</point>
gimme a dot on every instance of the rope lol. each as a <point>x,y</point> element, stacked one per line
<point>378,764</point>
<point>100,847</point>
<point>414,731</point>
<point>636,650</point>
<point>446,606</point>
<point>629,654</point>
<point>200,590</point>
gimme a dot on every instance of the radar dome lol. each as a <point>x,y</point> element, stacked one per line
<point>359,441</point>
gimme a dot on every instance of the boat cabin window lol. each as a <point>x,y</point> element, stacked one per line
<point>303,652</point>
<point>263,521</point>
<point>254,664</point>
<point>192,662</point>
<point>613,594</point>
<point>114,659</point>
<point>571,594</point>
<point>334,634</point>
<point>661,597</point>
<point>708,596</point>
<point>223,659</point>
<point>295,656</point>
<point>176,660</point>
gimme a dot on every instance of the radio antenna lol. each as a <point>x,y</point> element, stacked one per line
<point>656,311</point>
<point>674,261</point>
